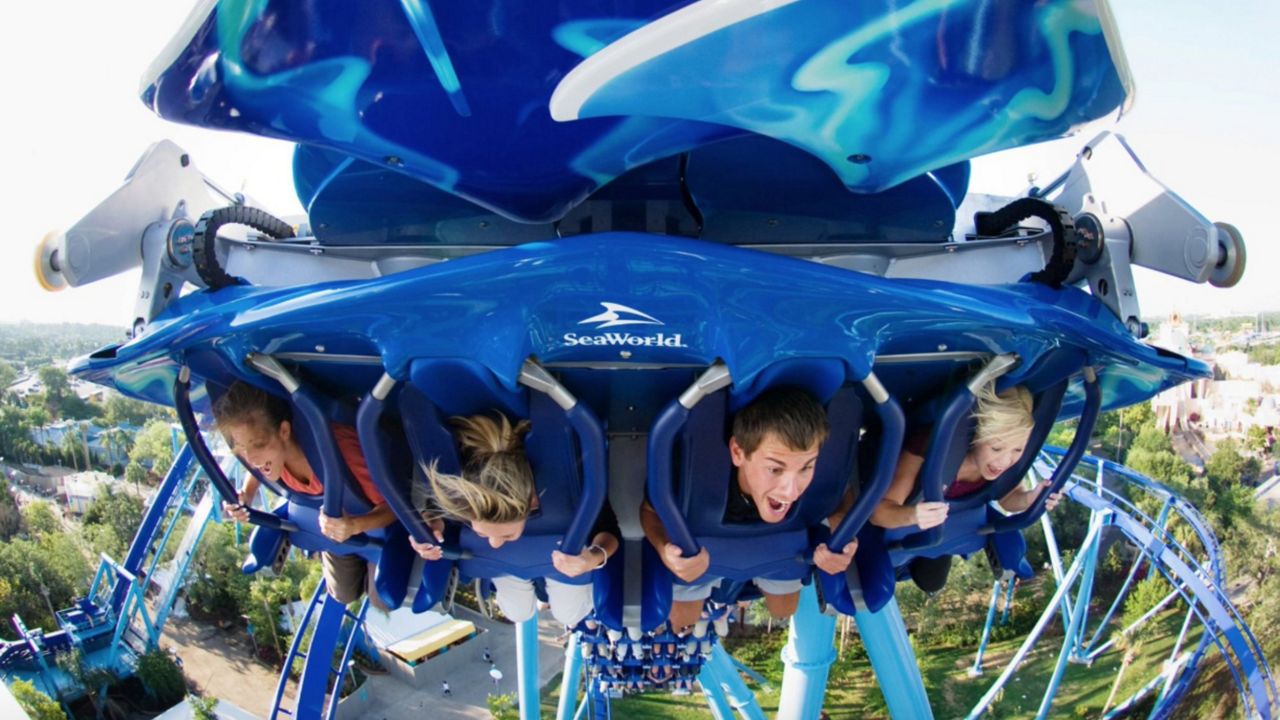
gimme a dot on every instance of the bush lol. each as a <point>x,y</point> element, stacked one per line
<point>162,678</point>
<point>503,707</point>
<point>203,708</point>
<point>37,705</point>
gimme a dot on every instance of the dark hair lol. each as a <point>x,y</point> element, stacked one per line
<point>789,413</point>
<point>242,403</point>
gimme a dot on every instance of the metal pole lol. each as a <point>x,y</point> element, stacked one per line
<point>985,701</point>
<point>808,655</point>
<point>1051,544</point>
<point>1008,601</point>
<point>566,709</point>
<point>739,695</point>
<point>1163,522</point>
<point>713,691</point>
<point>527,668</point>
<point>976,670</point>
<point>884,635</point>
<point>1090,553</point>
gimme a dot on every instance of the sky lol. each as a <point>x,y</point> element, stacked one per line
<point>1204,123</point>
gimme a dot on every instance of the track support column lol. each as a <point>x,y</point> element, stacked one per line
<point>884,635</point>
<point>567,708</point>
<point>527,668</point>
<point>808,656</point>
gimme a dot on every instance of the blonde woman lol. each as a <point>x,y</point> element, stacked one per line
<point>495,494</point>
<point>1004,423</point>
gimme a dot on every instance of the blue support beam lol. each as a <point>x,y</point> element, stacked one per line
<point>976,670</point>
<point>527,668</point>
<point>1008,601</point>
<point>739,695</point>
<point>152,519</point>
<point>567,708</point>
<point>1078,615</point>
<point>713,691</point>
<point>808,656</point>
<point>884,635</point>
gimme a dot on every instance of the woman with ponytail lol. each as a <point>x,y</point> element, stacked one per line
<point>495,494</point>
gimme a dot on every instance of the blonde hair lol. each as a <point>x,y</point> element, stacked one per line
<point>496,483</point>
<point>1004,415</point>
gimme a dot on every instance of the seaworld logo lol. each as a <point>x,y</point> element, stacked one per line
<point>616,314</point>
<point>613,316</point>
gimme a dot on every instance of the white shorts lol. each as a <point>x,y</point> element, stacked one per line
<point>569,603</point>
<point>702,590</point>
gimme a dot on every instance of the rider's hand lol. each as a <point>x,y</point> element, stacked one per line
<point>687,569</point>
<point>1052,502</point>
<point>930,514</point>
<point>574,565</point>
<point>338,529</point>
<point>834,563</point>
<point>239,512</point>
<point>431,551</point>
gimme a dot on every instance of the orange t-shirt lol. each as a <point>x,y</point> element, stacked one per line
<point>349,445</point>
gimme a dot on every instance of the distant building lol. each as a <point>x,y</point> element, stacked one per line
<point>81,489</point>
<point>1177,407</point>
<point>101,446</point>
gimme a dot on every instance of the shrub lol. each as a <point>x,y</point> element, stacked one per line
<point>162,678</point>
<point>37,705</point>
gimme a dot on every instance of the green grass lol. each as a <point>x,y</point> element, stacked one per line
<point>852,691</point>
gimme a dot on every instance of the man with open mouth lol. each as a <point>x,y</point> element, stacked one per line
<point>774,448</point>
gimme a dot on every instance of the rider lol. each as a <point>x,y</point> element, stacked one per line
<point>259,428</point>
<point>1004,423</point>
<point>495,494</point>
<point>774,448</point>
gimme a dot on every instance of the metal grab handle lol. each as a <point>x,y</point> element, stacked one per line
<point>1084,431</point>
<point>892,428</point>
<point>378,459</point>
<point>591,440</point>
<point>661,443</point>
<point>227,489</point>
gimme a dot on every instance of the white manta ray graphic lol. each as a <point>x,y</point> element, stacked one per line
<point>614,315</point>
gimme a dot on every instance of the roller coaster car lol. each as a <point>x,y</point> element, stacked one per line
<point>623,221</point>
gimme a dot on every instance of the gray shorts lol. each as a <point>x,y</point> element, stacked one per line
<point>702,590</point>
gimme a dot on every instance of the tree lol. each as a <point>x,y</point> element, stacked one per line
<point>220,589</point>
<point>203,708</point>
<point>59,399</point>
<point>162,677</point>
<point>503,707</point>
<point>7,375</point>
<point>36,704</point>
<point>112,520</point>
<point>267,596</point>
<point>92,679</point>
<point>40,575</point>
<point>120,410</point>
<point>39,519</point>
<point>1226,465</point>
<point>117,442</point>
<point>1256,439</point>
<point>10,516</point>
<point>153,447</point>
